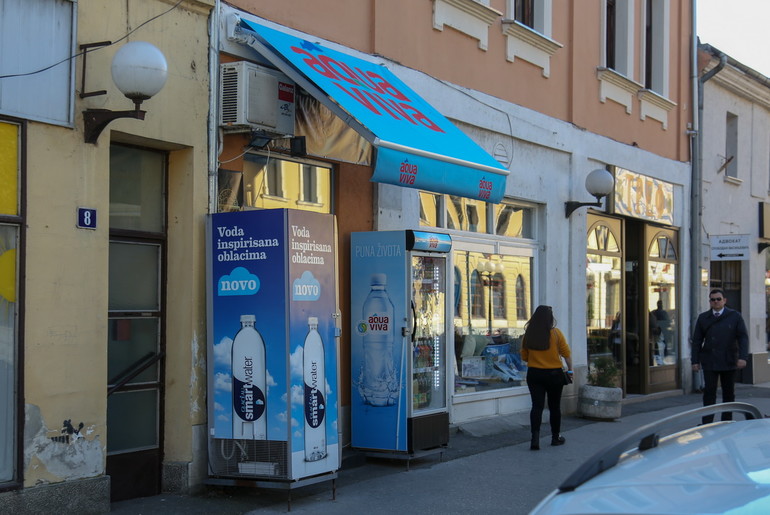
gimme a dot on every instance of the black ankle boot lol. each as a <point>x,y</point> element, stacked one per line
<point>535,445</point>
<point>557,440</point>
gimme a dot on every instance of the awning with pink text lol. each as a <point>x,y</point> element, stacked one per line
<point>417,147</point>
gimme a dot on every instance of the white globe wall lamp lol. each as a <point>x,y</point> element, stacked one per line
<point>599,183</point>
<point>139,70</point>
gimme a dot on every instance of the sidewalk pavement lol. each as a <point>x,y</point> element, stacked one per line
<point>486,468</point>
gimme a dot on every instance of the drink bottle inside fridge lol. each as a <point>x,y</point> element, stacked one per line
<point>400,318</point>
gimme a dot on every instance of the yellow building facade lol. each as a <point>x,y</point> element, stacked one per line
<point>68,211</point>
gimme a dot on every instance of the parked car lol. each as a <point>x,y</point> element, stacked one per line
<point>721,467</point>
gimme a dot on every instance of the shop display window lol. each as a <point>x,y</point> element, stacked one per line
<point>11,224</point>
<point>463,214</point>
<point>8,308</point>
<point>492,301</point>
<point>767,300</point>
<point>269,182</point>
<point>604,318</point>
<point>430,209</point>
<point>513,221</point>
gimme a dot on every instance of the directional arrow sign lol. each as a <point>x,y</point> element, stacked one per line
<point>730,247</point>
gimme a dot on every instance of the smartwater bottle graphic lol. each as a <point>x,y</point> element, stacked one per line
<point>377,383</point>
<point>249,383</point>
<point>314,373</point>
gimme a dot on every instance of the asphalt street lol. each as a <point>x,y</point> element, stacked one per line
<point>487,468</point>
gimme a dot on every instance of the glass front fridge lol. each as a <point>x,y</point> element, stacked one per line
<point>398,345</point>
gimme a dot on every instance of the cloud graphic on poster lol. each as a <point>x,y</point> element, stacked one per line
<point>295,362</point>
<point>223,418</point>
<point>297,434</point>
<point>294,422</point>
<point>222,351</point>
<point>297,394</point>
<point>218,407</point>
<point>282,417</point>
<point>239,282</point>
<point>306,287</point>
<point>223,382</point>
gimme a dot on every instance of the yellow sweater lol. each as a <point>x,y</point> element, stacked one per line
<point>551,357</point>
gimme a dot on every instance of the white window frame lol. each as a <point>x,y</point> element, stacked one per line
<point>661,21</point>
<point>43,90</point>
<point>624,37</point>
<point>532,44</point>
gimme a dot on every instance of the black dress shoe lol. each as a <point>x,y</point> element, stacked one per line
<point>557,440</point>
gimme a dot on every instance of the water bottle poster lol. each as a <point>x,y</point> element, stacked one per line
<point>248,294</point>
<point>313,307</point>
<point>378,317</point>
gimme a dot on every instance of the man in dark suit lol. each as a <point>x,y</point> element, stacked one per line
<point>720,346</point>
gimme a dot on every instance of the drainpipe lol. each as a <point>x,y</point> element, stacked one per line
<point>213,122</point>
<point>696,188</point>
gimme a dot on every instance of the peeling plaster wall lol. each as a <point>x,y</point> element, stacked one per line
<point>51,456</point>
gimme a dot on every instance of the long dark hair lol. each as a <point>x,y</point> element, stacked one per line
<point>537,332</point>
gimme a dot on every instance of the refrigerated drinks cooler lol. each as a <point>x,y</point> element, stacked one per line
<point>272,349</point>
<point>400,321</point>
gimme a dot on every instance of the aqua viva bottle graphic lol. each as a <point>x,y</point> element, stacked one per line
<point>377,382</point>
<point>249,383</point>
<point>314,373</point>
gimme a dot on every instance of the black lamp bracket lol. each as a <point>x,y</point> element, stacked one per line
<point>572,205</point>
<point>96,120</point>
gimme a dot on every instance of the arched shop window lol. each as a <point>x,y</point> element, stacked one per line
<point>662,248</point>
<point>603,293</point>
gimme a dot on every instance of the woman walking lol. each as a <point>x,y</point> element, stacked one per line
<point>542,348</point>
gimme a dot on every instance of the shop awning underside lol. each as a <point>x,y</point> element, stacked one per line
<point>417,147</point>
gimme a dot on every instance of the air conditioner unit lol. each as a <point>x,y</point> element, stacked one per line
<point>254,98</point>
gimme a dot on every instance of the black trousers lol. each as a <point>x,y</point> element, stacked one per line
<point>545,383</point>
<point>711,378</point>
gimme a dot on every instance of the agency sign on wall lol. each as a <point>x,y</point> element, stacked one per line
<point>729,247</point>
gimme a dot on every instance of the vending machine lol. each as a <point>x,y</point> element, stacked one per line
<point>400,321</point>
<point>272,347</point>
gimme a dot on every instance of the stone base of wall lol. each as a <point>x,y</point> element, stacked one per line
<point>757,370</point>
<point>79,496</point>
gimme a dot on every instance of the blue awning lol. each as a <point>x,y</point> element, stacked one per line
<point>417,147</point>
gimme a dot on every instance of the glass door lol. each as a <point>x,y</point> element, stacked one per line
<point>428,333</point>
<point>663,309</point>
<point>135,318</point>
